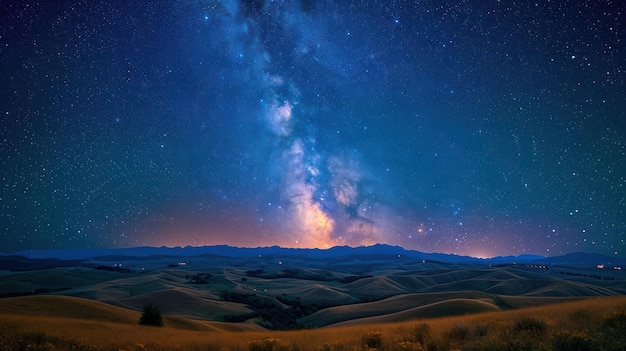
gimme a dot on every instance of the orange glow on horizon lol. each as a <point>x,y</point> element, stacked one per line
<point>317,226</point>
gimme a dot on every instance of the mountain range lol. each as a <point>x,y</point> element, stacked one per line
<point>31,259</point>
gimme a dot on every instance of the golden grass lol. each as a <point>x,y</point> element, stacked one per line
<point>67,306</point>
<point>587,323</point>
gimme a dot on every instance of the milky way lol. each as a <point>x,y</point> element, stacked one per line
<point>476,128</point>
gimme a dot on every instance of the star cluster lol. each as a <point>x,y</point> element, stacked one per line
<point>477,128</point>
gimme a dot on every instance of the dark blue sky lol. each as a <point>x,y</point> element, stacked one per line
<point>472,127</point>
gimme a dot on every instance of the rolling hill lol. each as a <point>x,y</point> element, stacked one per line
<point>294,288</point>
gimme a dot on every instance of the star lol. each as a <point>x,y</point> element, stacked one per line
<point>267,125</point>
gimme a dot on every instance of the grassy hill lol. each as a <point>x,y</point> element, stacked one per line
<point>290,294</point>
<point>67,307</point>
<point>590,324</point>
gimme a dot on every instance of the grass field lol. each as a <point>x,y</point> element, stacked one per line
<point>594,324</point>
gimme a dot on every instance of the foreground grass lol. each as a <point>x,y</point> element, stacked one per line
<point>594,324</point>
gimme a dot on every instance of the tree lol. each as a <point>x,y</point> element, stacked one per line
<point>151,316</point>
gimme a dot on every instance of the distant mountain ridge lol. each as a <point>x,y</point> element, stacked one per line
<point>226,251</point>
<point>378,250</point>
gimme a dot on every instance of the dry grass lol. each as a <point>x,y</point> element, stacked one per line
<point>594,324</point>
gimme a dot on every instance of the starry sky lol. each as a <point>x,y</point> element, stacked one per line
<point>478,128</point>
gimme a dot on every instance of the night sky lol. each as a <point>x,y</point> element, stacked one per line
<point>478,128</point>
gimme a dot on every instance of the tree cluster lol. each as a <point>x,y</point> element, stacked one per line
<point>151,316</point>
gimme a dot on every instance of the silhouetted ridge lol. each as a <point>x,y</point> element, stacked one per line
<point>374,252</point>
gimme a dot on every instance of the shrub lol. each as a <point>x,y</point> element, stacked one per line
<point>337,345</point>
<point>572,341</point>
<point>459,332</point>
<point>373,340</point>
<point>37,338</point>
<point>614,331</point>
<point>422,333</point>
<point>519,344</point>
<point>616,322</point>
<point>531,324</point>
<point>151,316</point>
<point>267,344</point>
<point>410,346</point>
<point>481,330</point>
